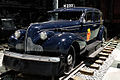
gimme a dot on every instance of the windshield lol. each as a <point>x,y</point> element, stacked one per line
<point>66,15</point>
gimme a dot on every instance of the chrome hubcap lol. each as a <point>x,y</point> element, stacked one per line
<point>103,40</point>
<point>69,59</point>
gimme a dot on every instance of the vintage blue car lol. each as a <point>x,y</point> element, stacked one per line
<point>51,48</point>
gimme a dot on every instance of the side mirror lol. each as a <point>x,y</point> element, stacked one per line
<point>82,20</point>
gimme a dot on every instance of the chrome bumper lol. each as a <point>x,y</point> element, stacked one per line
<point>32,64</point>
<point>32,57</point>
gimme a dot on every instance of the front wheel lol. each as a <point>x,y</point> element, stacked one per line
<point>69,60</point>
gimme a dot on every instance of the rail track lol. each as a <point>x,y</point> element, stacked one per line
<point>88,69</point>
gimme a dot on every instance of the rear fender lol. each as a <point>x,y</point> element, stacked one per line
<point>102,31</point>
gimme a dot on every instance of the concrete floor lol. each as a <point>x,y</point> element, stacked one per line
<point>113,73</point>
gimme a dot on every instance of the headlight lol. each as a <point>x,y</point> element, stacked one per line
<point>17,34</point>
<point>43,35</point>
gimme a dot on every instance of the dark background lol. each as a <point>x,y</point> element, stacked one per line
<point>25,12</point>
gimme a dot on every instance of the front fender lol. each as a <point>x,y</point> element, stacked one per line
<point>60,43</point>
<point>13,40</point>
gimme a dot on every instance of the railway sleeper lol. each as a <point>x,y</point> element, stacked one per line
<point>103,54</point>
<point>87,71</point>
<point>76,78</point>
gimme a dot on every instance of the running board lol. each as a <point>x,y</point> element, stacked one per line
<point>93,46</point>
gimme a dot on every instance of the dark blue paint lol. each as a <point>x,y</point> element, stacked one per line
<point>101,32</point>
<point>60,43</point>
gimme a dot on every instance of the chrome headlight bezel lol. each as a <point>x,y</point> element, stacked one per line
<point>17,34</point>
<point>43,35</point>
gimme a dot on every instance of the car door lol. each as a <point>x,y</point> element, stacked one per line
<point>87,25</point>
<point>96,24</point>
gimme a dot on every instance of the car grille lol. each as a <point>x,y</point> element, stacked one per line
<point>30,46</point>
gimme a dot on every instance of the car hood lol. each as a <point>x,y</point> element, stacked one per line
<point>50,25</point>
<point>54,24</point>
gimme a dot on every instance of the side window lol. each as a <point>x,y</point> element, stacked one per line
<point>96,16</point>
<point>88,17</point>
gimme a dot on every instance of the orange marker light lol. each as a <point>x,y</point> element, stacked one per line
<point>88,34</point>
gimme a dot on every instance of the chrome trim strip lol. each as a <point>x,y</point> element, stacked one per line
<point>32,57</point>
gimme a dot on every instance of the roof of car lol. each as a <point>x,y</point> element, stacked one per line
<point>74,9</point>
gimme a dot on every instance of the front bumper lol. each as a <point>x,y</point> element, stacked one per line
<point>31,64</point>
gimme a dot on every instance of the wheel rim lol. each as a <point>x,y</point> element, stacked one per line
<point>70,60</point>
<point>103,40</point>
